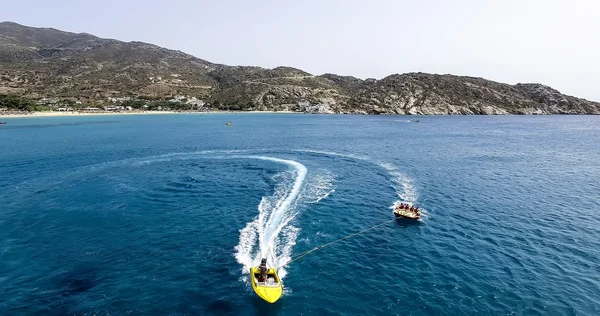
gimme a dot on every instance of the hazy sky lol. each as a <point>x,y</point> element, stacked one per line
<point>556,43</point>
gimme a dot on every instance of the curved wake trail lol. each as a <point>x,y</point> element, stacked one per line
<point>269,235</point>
<point>402,184</point>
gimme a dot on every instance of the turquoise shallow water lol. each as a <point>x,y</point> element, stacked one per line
<point>164,214</point>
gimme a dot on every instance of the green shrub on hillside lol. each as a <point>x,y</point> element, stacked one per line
<point>16,103</point>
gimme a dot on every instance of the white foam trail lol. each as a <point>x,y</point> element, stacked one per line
<point>331,153</point>
<point>269,235</point>
<point>403,185</point>
<point>318,188</point>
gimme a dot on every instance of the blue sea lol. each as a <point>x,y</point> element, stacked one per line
<point>165,214</point>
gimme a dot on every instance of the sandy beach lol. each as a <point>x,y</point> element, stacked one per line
<point>56,113</point>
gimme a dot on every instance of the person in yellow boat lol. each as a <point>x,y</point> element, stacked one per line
<point>263,270</point>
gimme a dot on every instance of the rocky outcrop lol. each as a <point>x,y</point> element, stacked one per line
<point>47,63</point>
<point>556,102</point>
<point>418,93</point>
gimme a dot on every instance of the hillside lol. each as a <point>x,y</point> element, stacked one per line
<point>44,64</point>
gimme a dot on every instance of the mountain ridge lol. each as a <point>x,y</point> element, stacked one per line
<point>46,63</point>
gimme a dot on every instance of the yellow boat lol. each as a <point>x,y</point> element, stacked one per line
<point>270,290</point>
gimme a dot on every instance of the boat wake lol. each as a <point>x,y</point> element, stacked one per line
<point>318,188</point>
<point>402,184</point>
<point>404,187</point>
<point>270,235</point>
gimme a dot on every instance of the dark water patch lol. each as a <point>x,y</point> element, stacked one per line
<point>77,280</point>
<point>221,307</point>
<point>405,222</point>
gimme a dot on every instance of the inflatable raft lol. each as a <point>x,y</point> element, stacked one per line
<point>404,213</point>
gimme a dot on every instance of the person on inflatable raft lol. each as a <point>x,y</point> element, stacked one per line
<point>411,208</point>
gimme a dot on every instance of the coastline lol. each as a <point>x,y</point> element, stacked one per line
<point>59,114</point>
<point>38,114</point>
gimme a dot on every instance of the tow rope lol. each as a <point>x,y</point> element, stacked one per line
<point>303,254</point>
